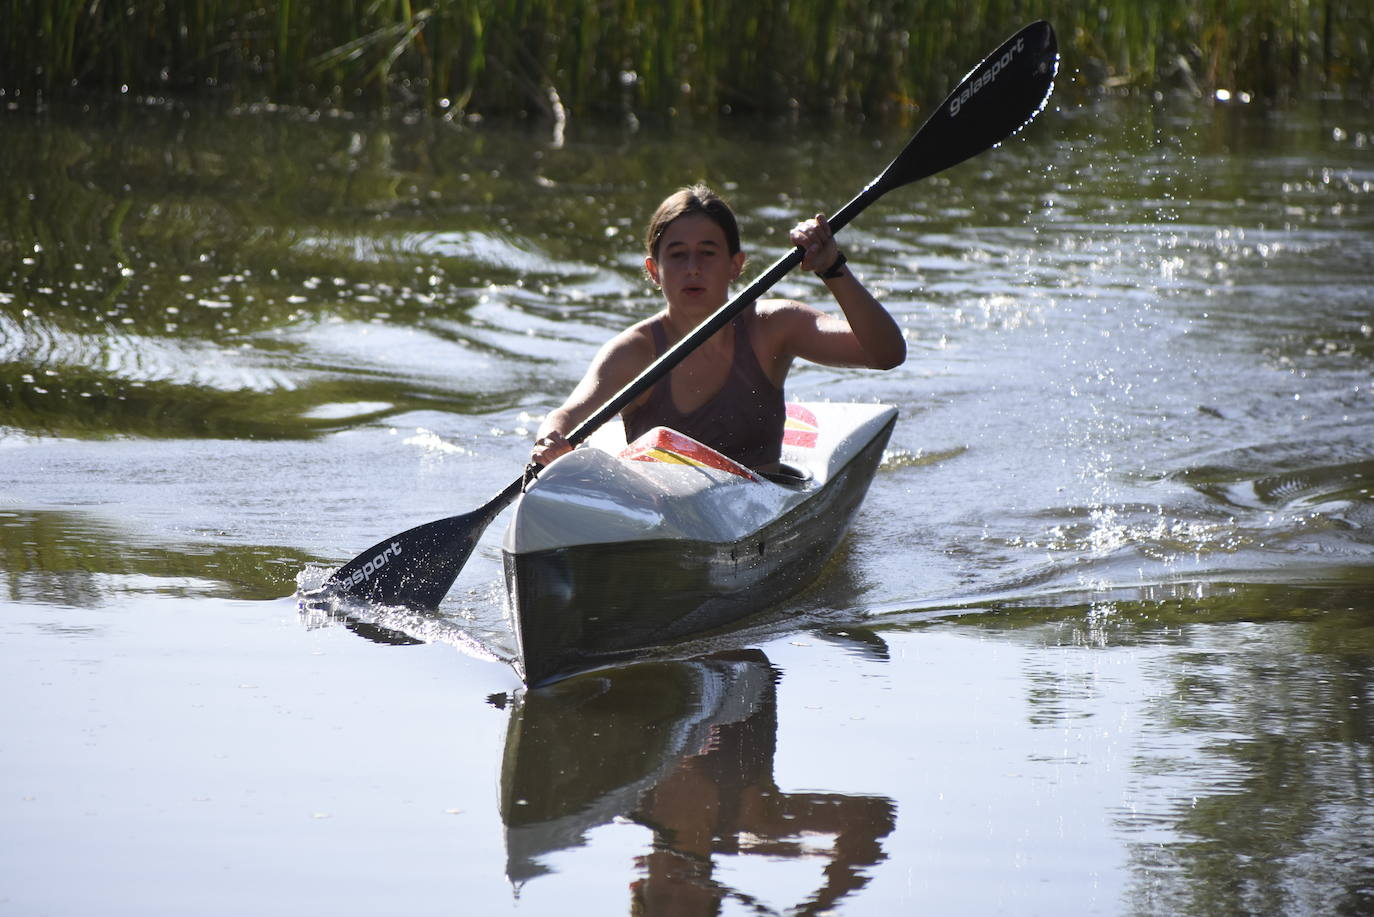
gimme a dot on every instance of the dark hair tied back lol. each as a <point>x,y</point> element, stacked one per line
<point>693,199</point>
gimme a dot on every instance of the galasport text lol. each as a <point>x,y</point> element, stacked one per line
<point>972,89</point>
<point>364,573</point>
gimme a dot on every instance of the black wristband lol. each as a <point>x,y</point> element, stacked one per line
<point>836,269</point>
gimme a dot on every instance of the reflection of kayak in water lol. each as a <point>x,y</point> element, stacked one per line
<point>684,748</point>
<point>583,751</point>
<point>617,548</point>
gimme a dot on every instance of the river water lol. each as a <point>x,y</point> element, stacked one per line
<point>1101,640</point>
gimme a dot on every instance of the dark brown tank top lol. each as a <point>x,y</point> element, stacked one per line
<point>743,420</point>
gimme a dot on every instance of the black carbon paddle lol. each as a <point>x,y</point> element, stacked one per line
<point>995,100</point>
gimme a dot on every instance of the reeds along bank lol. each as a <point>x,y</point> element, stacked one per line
<point>503,57</point>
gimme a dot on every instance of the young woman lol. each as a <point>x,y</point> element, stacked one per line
<point>728,393</point>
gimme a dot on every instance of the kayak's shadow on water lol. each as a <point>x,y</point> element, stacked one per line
<point>684,748</point>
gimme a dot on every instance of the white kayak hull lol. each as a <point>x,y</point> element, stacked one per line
<point>608,555</point>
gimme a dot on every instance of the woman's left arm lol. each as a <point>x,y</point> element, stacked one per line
<point>869,336</point>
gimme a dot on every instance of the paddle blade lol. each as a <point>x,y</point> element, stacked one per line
<point>418,566</point>
<point>1000,96</point>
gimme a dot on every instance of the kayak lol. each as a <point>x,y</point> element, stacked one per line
<point>620,547</point>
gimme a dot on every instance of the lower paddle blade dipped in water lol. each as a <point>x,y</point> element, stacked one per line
<point>418,566</point>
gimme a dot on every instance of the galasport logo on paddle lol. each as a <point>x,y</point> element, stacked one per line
<point>973,88</point>
<point>369,567</point>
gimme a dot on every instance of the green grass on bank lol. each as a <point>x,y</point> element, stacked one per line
<point>661,56</point>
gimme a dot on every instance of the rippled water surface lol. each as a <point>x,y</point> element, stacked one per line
<point>1100,641</point>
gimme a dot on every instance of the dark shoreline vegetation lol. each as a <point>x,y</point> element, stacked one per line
<point>560,58</point>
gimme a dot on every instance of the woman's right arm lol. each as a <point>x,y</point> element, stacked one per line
<point>615,365</point>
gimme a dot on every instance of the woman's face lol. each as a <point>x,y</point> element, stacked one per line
<point>694,267</point>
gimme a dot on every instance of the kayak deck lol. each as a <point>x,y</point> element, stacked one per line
<point>609,554</point>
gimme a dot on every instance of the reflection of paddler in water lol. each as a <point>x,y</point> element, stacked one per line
<point>685,749</point>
